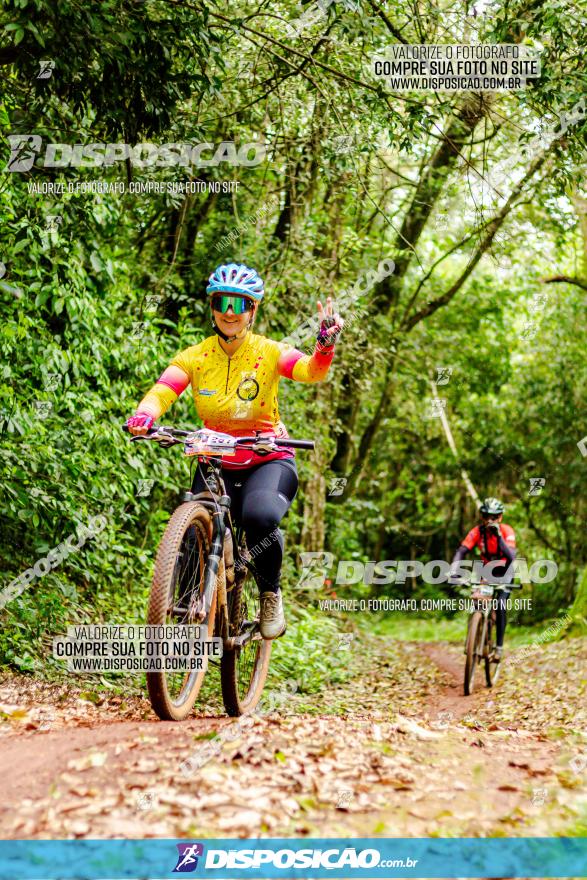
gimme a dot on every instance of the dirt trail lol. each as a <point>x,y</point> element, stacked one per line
<point>398,751</point>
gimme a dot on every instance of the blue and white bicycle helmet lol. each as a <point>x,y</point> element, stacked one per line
<point>236,278</point>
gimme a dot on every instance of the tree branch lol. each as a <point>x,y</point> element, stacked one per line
<point>455,247</point>
<point>484,245</point>
<point>565,279</point>
<point>539,533</point>
<point>290,50</point>
<point>389,24</point>
<point>432,179</point>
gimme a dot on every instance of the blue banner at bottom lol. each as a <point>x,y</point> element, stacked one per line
<point>293,857</point>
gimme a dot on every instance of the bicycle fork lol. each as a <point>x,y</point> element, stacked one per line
<point>213,562</point>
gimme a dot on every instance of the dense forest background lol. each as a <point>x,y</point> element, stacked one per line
<point>479,200</point>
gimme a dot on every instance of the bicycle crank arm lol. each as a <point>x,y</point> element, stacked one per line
<point>251,635</point>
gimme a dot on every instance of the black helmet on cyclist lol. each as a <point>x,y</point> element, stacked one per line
<point>491,507</point>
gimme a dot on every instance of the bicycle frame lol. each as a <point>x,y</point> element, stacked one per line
<point>219,506</point>
<point>197,542</point>
<point>218,502</point>
<point>482,596</point>
<point>481,602</point>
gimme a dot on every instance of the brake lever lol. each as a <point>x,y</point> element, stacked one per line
<point>165,442</point>
<point>264,447</point>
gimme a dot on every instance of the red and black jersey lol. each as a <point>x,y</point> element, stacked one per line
<point>488,543</point>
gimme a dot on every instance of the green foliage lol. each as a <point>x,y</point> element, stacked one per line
<point>94,307</point>
<point>311,654</point>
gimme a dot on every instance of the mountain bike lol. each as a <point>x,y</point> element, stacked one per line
<point>204,574</point>
<point>480,641</point>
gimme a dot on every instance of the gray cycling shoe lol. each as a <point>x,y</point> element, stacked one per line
<point>497,653</point>
<point>272,623</point>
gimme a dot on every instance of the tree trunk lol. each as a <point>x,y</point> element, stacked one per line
<point>314,527</point>
<point>429,188</point>
<point>433,305</point>
<point>578,610</point>
<point>347,412</point>
<point>313,530</point>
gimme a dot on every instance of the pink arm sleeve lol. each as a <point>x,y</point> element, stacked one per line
<point>300,367</point>
<point>175,379</point>
<point>287,361</point>
<point>172,382</point>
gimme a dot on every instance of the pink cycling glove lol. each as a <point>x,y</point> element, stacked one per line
<point>140,420</point>
<point>329,331</point>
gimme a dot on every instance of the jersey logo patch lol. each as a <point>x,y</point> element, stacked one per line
<point>248,388</point>
<point>207,392</point>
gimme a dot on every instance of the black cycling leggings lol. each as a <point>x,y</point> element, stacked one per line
<point>261,496</point>
<point>500,616</point>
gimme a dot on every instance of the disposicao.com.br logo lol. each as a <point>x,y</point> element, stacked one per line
<point>326,859</point>
<point>25,149</point>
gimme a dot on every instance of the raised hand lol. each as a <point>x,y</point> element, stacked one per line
<point>331,324</point>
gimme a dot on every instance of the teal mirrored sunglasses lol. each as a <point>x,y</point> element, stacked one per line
<point>240,304</point>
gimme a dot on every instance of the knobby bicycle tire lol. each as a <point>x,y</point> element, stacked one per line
<point>167,570</point>
<point>491,669</point>
<point>474,637</point>
<point>243,671</point>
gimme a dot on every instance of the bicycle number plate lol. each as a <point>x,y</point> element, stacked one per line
<point>211,444</point>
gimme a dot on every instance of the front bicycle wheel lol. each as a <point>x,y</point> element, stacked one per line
<point>243,670</point>
<point>474,648</point>
<point>176,597</point>
<point>491,667</point>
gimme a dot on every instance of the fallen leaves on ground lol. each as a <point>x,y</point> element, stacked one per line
<point>396,751</point>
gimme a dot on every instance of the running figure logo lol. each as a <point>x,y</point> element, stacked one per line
<point>187,860</point>
<point>23,151</point>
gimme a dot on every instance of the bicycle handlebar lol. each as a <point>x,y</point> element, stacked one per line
<point>278,441</point>
<point>174,434</point>
<point>473,584</point>
<point>126,430</point>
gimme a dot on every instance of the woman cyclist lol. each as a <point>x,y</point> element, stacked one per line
<point>234,376</point>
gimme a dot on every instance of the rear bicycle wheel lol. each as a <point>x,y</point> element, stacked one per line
<point>176,595</point>
<point>243,670</point>
<point>491,668</point>
<point>474,648</point>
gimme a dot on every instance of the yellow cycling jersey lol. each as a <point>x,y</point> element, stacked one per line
<point>236,394</point>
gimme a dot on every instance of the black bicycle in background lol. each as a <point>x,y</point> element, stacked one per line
<point>481,629</point>
<point>204,575</point>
